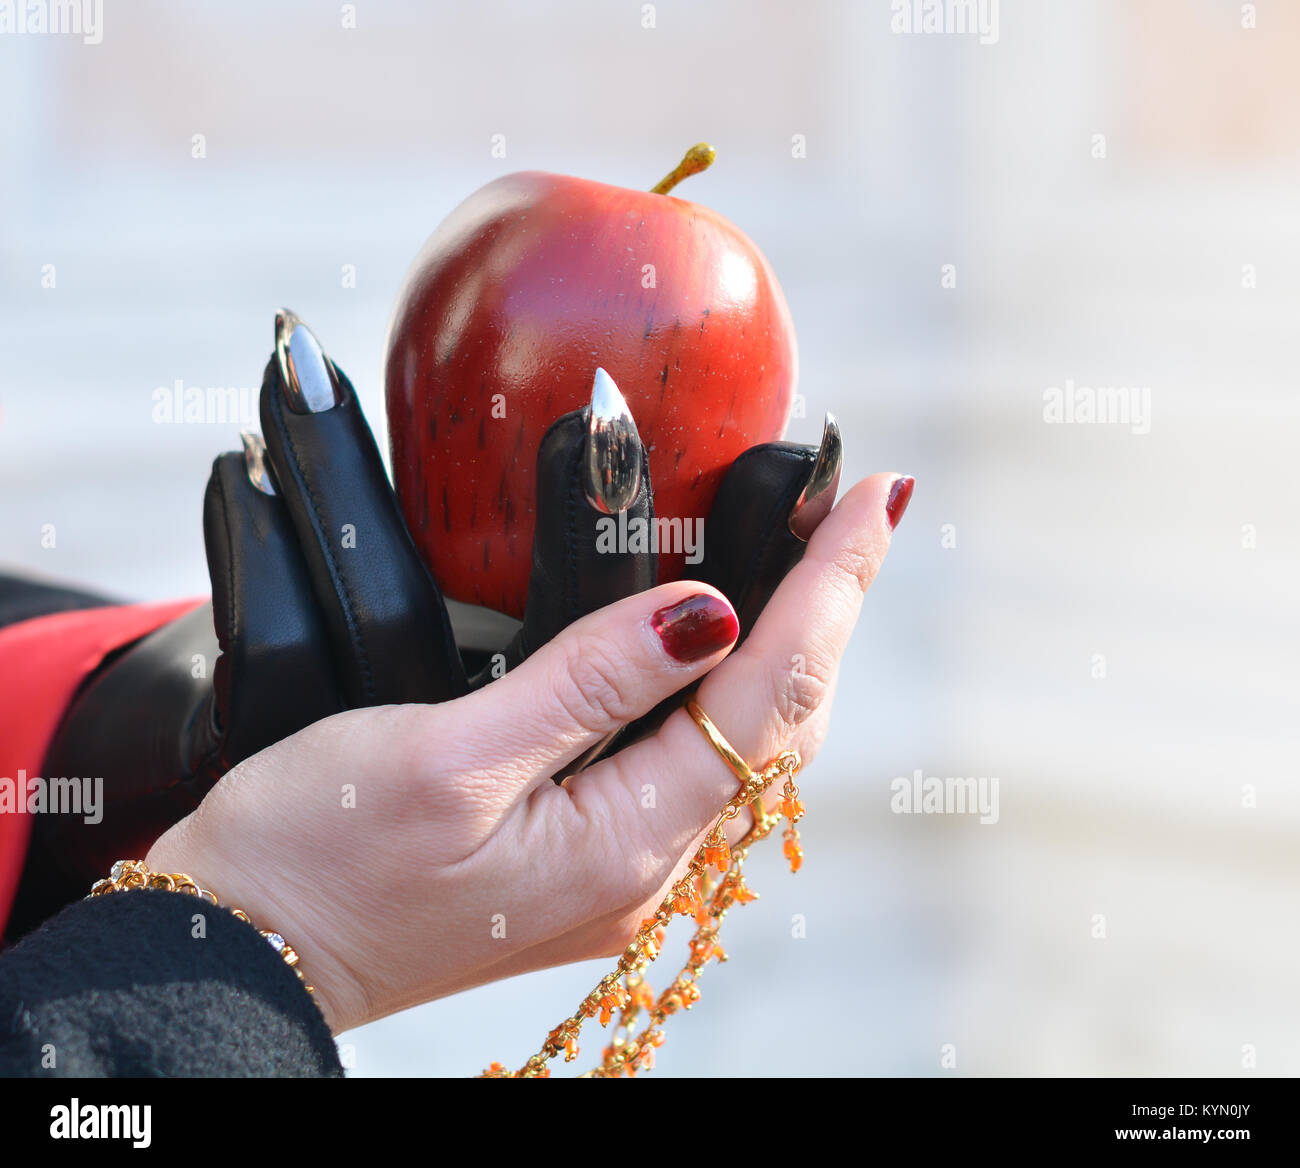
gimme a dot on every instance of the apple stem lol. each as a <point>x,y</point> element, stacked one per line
<point>699,157</point>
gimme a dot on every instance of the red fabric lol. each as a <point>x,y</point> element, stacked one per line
<point>42,662</point>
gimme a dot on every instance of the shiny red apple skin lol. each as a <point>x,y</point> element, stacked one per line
<point>522,292</point>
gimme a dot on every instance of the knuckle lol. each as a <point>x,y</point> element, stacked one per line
<point>595,690</point>
<point>857,565</point>
<point>798,690</point>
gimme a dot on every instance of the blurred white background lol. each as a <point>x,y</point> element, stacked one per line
<point>1160,796</point>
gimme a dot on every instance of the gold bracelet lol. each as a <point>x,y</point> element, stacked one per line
<point>127,875</point>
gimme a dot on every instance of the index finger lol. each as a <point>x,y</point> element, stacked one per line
<point>767,689</point>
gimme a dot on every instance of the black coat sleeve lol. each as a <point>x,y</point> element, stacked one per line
<point>143,983</point>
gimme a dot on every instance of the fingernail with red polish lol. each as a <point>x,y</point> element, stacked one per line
<point>900,494</point>
<point>696,627</point>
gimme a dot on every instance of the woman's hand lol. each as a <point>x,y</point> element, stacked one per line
<point>408,852</point>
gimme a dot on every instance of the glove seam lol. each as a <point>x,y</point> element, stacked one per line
<point>337,578</point>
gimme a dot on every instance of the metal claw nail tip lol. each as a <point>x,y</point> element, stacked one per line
<point>310,381</point>
<point>818,494</point>
<point>611,460</point>
<point>255,462</point>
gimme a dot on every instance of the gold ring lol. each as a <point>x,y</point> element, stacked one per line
<point>740,768</point>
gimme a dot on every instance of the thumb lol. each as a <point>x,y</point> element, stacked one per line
<point>599,674</point>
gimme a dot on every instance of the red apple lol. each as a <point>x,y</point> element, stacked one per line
<point>529,285</point>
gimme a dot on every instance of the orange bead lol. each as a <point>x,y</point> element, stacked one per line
<point>717,852</point>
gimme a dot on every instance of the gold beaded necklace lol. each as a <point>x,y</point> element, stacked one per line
<point>700,894</point>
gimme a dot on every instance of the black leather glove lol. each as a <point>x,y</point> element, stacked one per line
<point>321,603</point>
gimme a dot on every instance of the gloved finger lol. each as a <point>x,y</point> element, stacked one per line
<point>771,500</point>
<point>595,516</point>
<point>274,675</point>
<point>390,636</point>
